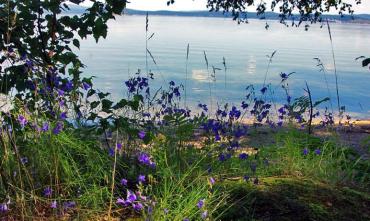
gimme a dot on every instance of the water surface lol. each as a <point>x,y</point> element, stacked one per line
<point>244,47</point>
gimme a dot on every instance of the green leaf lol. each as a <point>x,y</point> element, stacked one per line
<point>76,43</point>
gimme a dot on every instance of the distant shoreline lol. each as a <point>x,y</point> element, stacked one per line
<point>356,19</point>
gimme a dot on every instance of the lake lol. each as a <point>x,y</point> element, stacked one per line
<point>245,48</point>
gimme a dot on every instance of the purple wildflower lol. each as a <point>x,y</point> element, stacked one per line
<point>22,121</point>
<point>63,116</point>
<point>24,160</point>
<point>137,206</point>
<point>86,86</point>
<point>243,156</point>
<point>141,178</point>
<point>200,203</point>
<point>121,201</point>
<point>204,214</point>
<point>144,158</point>
<point>45,127</point>
<point>123,182</point>
<point>141,134</point>
<point>119,146</point>
<point>305,151</point>
<point>53,204</point>
<point>212,180</point>
<point>3,207</point>
<point>317,151</point>
<point>131,197</point>
<point>69,204</point>
<point>58,128</point>
<point>47,192</point>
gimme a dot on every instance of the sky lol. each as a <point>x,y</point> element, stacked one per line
<point>193,5</point>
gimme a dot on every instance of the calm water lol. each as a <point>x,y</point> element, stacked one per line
<point>244,46</point>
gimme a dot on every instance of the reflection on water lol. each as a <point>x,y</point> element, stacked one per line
<point>245,48</point>
<point>200,75</point>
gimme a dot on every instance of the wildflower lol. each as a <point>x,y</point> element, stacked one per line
<point>121,201</point>
<point>144,158</point>
<point>305,151</point>
<point>243,156</point>
<point>68,86</point>
<point>212,180</point>
<point>111,152</point>
<point>165,211</point>
<point>63,116</point>
<point>317,151</point>
<point>45,127</point>
<point>221,157</point>
<point>246,178</point>
<point>204,214</point>
<point>141,178</point>
<point>150,210</point>
<point>24,160</point>
<point>53,204</point>
<point>186,219</point>
<point>47,192</point>
<point>244,105</point>
<point>123,182</point>
<point>137,206</point>
<point>58,128</point>
<point>217,137</point>
<point>22,121</point>
<point>131,197</point>
<point>69,204</point>
<point>142,134</point>
<point>60,92</point>
<point>119,146</point>
<point>3,207</point>
<point>86,86</point>
<point>200,203</point>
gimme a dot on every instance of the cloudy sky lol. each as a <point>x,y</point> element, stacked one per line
<point>188,5</point>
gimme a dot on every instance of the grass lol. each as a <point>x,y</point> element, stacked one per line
<point>286,184</point>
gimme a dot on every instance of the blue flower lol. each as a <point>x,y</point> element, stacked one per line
<point>63,116</point>
<point>47,192</point>
<point>243,156</point>
<point>24,160</point>
<point>45,127</point>
<point>131,197</point>
<point>144,158</point>
<point>58,128</point>
<point>137,206</point>
<point>4,207</point>
<point>200,203</point>
<point>305,151</point>
<point>119,146</point>
<point>53,204</point>
<point>317,151</point>
<point>212,180</point>
<point>69,204</point>
<point>86,86</point>
<point>141,134</point>
<point>123,182</point>
<point>141,178</point>
<point>246,177</point>
<point>204,214</point>
<point>22,120</point>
